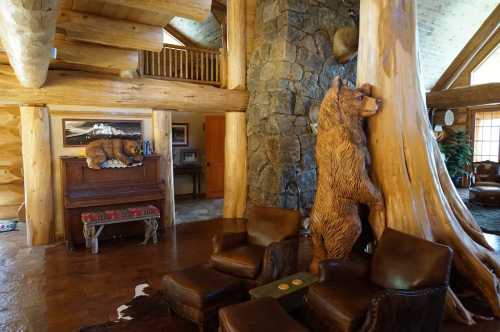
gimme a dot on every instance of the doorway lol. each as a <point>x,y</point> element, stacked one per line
<point>198,156</point>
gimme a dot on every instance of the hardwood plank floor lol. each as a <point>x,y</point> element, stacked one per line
<point>52,289</point>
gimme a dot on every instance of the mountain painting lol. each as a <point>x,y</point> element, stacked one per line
<point>82,132</point>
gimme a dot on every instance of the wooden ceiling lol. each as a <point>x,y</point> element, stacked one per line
<point>103,8</point>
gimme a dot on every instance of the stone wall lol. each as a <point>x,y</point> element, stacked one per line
<point>290,70</point>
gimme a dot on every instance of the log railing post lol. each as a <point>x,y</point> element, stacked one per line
<point>162,136</point>
<point>37,169</point>
<point>235,168</point>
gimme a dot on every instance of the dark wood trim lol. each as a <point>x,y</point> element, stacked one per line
<point>476,95</point>
<point>475,44</point>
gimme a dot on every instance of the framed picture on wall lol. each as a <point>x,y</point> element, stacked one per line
<point>180,134</point>
<point>80,132</point>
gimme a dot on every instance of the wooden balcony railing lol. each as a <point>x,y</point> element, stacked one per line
<point>182,63</point>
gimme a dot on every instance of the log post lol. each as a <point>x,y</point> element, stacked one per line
<point>162,136</point>
<point>35,133</point>
<point>407,166</point>
<point>27,29</point>
<point>235,167</point>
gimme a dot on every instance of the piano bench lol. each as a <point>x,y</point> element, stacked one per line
<point>91,220</point>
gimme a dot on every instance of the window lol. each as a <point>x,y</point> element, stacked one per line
<point>168,38</point>
<point>487,71</point>
<point>486,136</point>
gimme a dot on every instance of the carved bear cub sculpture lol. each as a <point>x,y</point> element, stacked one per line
<point>343,182</point>
<point>123,150</point>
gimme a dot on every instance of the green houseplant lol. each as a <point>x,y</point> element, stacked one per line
<point>458,153</point>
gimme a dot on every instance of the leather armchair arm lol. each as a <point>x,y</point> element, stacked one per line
<point>280,259</point>
<point>353,268</point>
<point>398,310</point>
<point>226,241</point>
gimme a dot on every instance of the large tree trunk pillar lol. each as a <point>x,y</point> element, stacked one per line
<point>162,135</point>
<point>27,30</point>
<point>406,164</point>
<point>35,133</point>
<point>235,167</point>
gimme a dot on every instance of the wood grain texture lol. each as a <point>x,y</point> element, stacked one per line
<point>11,178</point>
<point>102,8</point>
<point>420,198</point>
<point>162,133</point>
<point>87,89</point>
<point>37,165</point>
<point>235,165</point>
<point>236,44</point>
<point>27,32</point>
<point>96,55</point>
<point>197,10</point>
<point>470,50</point>
<point>111,32</point>
<point>476,95</point>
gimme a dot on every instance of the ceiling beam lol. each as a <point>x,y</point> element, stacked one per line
<point>110,32</point>
<point>474,95</point>
<point>27,30</point>
<point>467,54</point>
<point>87,89</point>
<point>180,36</point>
<point>96,55</point>
<point>197,10</point>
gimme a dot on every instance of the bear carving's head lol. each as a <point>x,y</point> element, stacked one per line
<point>131,148</point>
<point>343,106</point>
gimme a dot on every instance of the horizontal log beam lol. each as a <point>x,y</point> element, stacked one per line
<point>110,32</point>
<point>88,89</point>
<point>27,30</point>
<point>197,10</point>
<point>475,95</point>
<point>96,55</point>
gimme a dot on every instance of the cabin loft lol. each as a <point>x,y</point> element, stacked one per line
<point>249,165</point>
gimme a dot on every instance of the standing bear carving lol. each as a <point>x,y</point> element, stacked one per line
<point>343,183</point>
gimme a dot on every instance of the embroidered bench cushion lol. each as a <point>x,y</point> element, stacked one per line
<point>119,214</point>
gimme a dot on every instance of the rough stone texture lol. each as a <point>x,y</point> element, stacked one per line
<point>289,71</point>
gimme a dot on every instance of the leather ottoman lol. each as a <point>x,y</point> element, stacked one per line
<point>485,195</point>
<point>261,315</point>
<point>199,292</point>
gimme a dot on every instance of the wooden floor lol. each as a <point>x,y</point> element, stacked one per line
<point>51,289</point>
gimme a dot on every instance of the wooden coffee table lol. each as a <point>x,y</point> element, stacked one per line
<point>287,290</point>
<point>485,194</point>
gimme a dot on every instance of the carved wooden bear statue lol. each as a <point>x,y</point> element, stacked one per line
<point>343,182</point>
<point>101,150</point>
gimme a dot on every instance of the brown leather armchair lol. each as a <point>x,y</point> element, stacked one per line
<point>402,289</point>
<point>486,172</point>
<point>266,251</point>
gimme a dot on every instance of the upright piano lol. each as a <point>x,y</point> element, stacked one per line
<point>85,189</point>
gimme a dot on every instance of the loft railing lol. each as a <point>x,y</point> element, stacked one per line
<point>182,63</point>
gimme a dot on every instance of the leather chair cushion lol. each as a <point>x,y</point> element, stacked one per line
<point>243,261</point>
<point>267,225</point>
<point>343,304</point>
<point>405,262</point>
<point>200,286</point>
<point>262,315</point>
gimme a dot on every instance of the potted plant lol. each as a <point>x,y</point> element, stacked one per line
<point>458,154</point>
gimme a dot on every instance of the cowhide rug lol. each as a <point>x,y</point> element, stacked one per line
<point>146,312</point>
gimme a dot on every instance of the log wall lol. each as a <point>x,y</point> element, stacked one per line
<point>11,179</point>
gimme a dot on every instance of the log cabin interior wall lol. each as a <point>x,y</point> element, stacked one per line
<point>60,112</point>
<point>11,178</point>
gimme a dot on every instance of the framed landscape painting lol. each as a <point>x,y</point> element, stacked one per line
<point>80,132</point>
<point>180,134</point>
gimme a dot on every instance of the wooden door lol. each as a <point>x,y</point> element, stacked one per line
<point>214,149</point>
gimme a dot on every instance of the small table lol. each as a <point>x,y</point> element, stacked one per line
<point>190,169</point>
<point>291,298</point>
